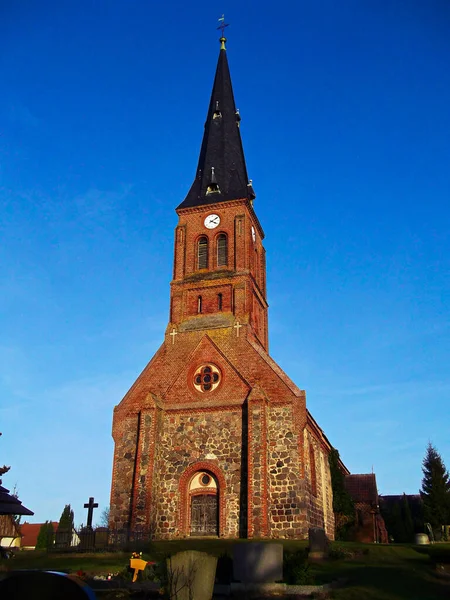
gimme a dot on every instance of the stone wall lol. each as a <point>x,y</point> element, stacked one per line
<point>186,438</point>
<point>125,438</point>
<point>287,510</point>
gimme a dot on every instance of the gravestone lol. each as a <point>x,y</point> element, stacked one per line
<point>191,574</point>
<point>44,585</point>
<point>422,539</point>
<point>101,538</point>
<point>318,543</point>
<point>258,562</point>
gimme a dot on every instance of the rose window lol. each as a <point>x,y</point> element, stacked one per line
<point>206,378</point>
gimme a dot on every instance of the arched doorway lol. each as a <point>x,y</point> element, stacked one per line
<point>203,504</point>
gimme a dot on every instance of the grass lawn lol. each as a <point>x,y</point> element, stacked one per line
<point>373,572</point>
<point>387,572</point>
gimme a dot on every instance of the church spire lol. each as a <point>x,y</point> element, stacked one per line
<point>221,171</point>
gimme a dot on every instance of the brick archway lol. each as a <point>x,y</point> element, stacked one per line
<point>185,479</point>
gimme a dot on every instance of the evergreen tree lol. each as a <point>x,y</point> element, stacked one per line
<point>45,536</point>
<point>66,519</point>
<point>343,505</point>
<point>397,525</point>
<point>435,490</point>
<point>408,524</point>
<point>65,528</point>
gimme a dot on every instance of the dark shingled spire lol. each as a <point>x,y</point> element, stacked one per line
<point>221,172</point>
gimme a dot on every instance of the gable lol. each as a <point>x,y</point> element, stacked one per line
<point>232,387</point>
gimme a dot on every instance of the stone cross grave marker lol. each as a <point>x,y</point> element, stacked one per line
<point>90,506</point>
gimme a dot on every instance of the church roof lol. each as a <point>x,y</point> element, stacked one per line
<point>221,172</point>
<point>362,487</point>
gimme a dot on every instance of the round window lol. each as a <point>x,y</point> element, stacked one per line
<point>205,479</point>
<point>206,378</point>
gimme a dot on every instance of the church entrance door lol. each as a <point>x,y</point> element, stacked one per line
<point>204,515</point>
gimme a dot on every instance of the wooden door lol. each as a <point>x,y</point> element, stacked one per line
<point>204,515</point>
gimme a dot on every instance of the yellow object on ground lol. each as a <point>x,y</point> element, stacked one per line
<point>138,565</point>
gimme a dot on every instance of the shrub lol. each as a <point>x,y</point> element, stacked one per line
<point>296,569</point>
<point>339,552</point>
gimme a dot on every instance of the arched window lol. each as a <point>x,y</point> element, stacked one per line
<point>202,253</point>
<point>219,301</point>
<point>222,250</point>
<point>199,304</point>
<point>312,465</point>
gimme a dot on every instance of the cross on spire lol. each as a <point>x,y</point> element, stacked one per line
<point>222,24</point>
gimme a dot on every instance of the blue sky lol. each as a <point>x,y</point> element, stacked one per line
<point>346,131</point>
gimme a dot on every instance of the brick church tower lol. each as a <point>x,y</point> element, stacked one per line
<point>213,438</point>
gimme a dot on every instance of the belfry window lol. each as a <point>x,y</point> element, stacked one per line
<point>219,301</point>
<point>202,253</point>
<point>199,305</point>
<point>222,250</point>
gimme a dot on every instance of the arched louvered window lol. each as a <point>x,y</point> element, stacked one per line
<point>222,250</point>
<point>202,253</point>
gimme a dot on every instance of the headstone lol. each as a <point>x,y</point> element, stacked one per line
<point>318,543</point>
<point>101,538</point>
<point>191,574</point>
<point>44,585</point>
<point>422,539</point>
<point>258,562</point>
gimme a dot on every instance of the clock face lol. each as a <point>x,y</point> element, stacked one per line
<point>253,234</point>
<point>212,221</point>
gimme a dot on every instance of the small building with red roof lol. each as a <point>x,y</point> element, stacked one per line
<point>30,532</point>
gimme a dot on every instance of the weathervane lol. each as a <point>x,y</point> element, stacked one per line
<point>222,24</point>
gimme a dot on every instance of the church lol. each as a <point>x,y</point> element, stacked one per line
<point>213,438</point>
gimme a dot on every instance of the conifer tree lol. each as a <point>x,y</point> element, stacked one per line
<point>397,529</point>
<point>408,524</point>
<point>435,490</point>
<point>65,527</point>
<point>66,519</point>
<point>45,536</point>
